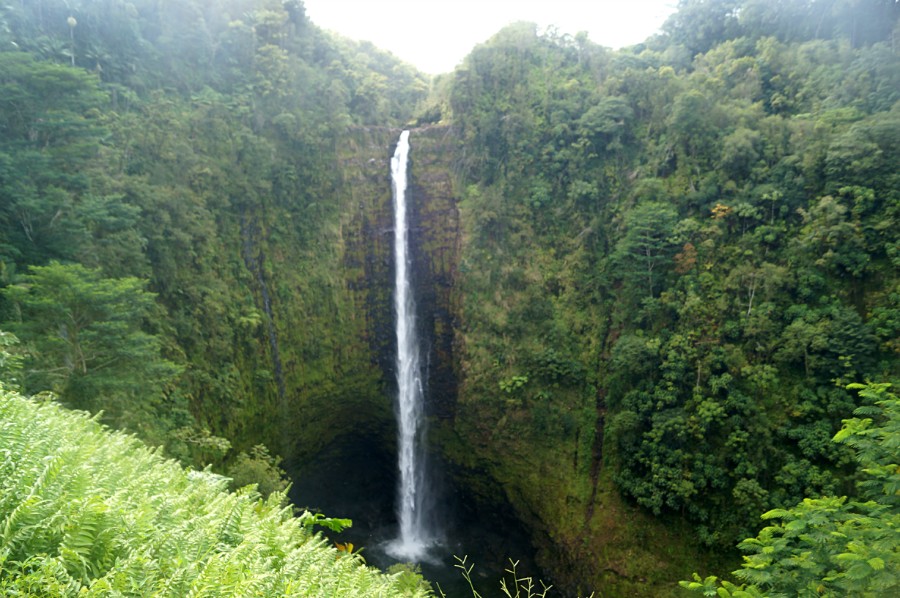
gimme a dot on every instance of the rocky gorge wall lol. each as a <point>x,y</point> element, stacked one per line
<point>549,479</point>
<point>435,244</point>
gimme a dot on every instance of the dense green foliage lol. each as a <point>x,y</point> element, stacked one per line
<point>676,256</point>
<point>672,259</point>
<point>87,344</point>
<point>165,182</point>
<point>88,512</point>
<point>834,546</point>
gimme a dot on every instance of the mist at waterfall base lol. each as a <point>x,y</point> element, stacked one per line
<point>431,523</point>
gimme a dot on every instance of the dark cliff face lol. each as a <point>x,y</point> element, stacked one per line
<point>577,522</point>
<point>351,472</point>
<point>367,245</point>
<point>434,245</point>
<point>363,271</point>
<point>368,250</point>
<point>337,342</point>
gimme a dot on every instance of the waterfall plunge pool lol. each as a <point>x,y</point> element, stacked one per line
<point>356,478</point>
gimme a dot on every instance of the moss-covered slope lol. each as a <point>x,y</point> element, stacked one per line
<point>670,264</point>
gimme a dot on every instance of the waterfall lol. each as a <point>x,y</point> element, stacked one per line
<point>412,509</point>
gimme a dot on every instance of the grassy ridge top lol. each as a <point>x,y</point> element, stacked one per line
<point>87,511</point>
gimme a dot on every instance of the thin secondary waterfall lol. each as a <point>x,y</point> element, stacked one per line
<point>415,536</point>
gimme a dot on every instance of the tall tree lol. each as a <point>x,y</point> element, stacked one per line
<point>85,340</point>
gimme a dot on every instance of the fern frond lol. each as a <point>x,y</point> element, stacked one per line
<point>88,512</point>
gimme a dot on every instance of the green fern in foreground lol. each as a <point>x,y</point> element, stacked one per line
<point>89,512</point>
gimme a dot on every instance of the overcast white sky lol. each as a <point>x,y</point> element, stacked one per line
<point>435,35</point>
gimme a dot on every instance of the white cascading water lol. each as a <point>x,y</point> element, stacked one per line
<point>414,537</point>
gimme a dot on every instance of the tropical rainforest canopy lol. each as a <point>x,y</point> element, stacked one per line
<point>669,263</point>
